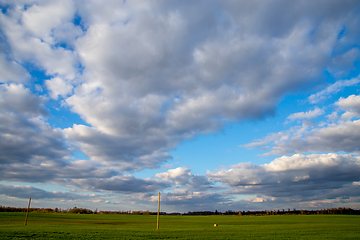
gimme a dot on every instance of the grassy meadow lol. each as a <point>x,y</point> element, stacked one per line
<point>108,226</point>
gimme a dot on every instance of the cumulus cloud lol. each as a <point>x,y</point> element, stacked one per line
<point>27,145</point>
<point>19,99</point>
<point>120,152</point>
<point>150,95</point>
<point>41,18</point>
<point>290,176</point>
<point>334,137</point>
<point>179,176</point>
<point>306,115</point>
<point>32,151</point>
<point>58,86</point>
<point>351,103</point>
<point>29,36</point>
<point>26,139</point>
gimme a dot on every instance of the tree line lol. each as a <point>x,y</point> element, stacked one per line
<point>77,210</point>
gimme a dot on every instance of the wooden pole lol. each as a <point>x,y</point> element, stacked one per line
<point>158,214</point>
<point>27,212</point>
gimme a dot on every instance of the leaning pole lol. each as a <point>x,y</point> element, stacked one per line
<point>27,212</point>
<point>158,213</point>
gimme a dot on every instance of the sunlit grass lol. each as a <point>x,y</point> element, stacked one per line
<point>96,226</point>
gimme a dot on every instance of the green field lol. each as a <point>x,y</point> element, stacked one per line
<point>98,226</point>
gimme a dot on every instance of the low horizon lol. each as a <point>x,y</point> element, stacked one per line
<point>215,104</point>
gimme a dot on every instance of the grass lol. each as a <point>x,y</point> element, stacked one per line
<point>96,226</point>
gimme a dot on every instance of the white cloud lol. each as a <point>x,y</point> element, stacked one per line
<point>58,86</point>
<point>41,19</point>
<point>351,103</point>
<point>333,88</point>
<point>179,176</point>
<point>349,115</point>
<point>306,115</point>
<point>29,37</point>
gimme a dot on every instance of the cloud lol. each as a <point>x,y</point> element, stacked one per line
<point>19,99</point>
<point>12,71</point>
<point>58,86</point>
<point>144,97</point>
<point>332,89</point>
<point>196,200</point>
<point>36,193</point>
<point>29,38</point>
<point>306,115</point>
<point>124,184</point>
<point>127,153</point>
<point>179,176</point>
<point>336,135</point>
<point>292,176</point>
<point>40,19</point>
<point>351,103</point>
<point>24,137</point>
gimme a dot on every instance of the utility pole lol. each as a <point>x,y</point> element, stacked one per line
<point>27,212</point>
<point>158,213</point>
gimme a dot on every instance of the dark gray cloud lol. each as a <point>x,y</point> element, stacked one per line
<point>195,201</point>
<point>125,153</point>
<point>124,184</point>
<point>55,171</point>
<point>36,193</point>
<point>23,140</point>
<point>19,99</point>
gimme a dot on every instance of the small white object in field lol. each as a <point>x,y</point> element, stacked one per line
<point>215,225</point>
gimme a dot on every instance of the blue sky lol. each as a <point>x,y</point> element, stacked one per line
<point>216,104</point>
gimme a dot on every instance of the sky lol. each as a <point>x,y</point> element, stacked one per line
<point>217,105</point>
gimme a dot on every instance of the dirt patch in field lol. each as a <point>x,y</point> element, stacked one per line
<point>122,223</point>
<point>110,223</point>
